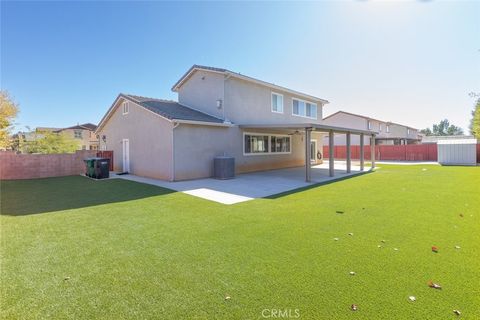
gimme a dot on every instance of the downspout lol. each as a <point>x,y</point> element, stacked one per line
<point>175,124</point>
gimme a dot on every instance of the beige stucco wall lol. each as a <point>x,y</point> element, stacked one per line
<point>202,91</point>
<point>196,146</point>
<point>250,103</point>
<point>150,140</point>
<point>244,102</point>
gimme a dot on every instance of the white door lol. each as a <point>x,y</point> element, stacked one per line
<point>126,155</point>
<point>313,151</point>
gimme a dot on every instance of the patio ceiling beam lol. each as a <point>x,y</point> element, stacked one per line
<point>300,126</point>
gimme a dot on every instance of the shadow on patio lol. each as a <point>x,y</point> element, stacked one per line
<point>25,197</point>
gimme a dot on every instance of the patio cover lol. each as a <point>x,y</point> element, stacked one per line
<point>331,130</point>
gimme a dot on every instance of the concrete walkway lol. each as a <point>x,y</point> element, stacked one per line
<point>249,186</point>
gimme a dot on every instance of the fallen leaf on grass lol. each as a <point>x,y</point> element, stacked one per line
<point>66,278</point>
<point>412,298</point>
<point>350,234</point>
<point>396,249</point>
<point>339,211</point>
<point>435,249</point>
<point>457,312</point>
<point>228,298</point>
<point>352,273</point>
<point>434,285</point>
<point>336,239</point>
<point>457,247</point>
<point>354,307</point>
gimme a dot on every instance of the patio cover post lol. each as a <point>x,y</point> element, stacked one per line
<point>331,160</point>
<point>372,150</point>
<point>308,132</point>
<point>349,154</point>
<point>362,153</point>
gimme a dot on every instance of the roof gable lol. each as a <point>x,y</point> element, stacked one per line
<point>227,72</point>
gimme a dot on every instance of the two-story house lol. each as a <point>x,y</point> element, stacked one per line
<point>219,112</point>
<point>84,134</point>
<point>389,133</point>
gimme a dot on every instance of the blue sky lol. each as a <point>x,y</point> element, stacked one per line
<point>407,62</point>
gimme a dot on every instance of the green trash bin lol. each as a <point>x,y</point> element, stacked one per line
<point>90,167</point>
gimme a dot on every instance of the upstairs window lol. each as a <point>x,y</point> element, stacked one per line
<point>277,103</point>
<point>408,131</point>
<point>126,107</point>
<point>369,125</point>
<point>304,109</point>
<point>77,134</point>
<point>388,128</point>
<point>380,127</point>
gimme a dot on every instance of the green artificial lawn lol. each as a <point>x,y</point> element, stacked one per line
<point>76,248</point>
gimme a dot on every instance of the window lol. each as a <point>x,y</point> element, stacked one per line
<point>304,109</point>
<point>369,125</point>
<point>388,128</point>
<point>266,144</point>
<point>380,127</point>
<point>125,107</point>
<point>280,144</point>
<point>408,131</point>
<point>277,102</point>
<point>84,147</point>
<point>77,134</point>
<point>256,144</point>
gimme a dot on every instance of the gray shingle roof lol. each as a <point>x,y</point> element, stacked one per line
<point>171,109</point>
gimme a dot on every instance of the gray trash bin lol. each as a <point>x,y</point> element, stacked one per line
<point>224,167</point>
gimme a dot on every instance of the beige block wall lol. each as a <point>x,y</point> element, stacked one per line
<point>196,146</point>
<point>31,166</point>
<point>150,139</point>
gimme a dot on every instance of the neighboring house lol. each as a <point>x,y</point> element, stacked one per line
<point>84,133</point>
<point>389,133</point>
<point>219,112</point>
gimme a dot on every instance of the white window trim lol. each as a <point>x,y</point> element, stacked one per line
<point>270,135</point>
<point>408,131</point>
<point>127,105</point>
<point>387,128</point>
<point>369,125</point>
<point>271,102</point>
<point>305,116</point>
<point>380,127</point>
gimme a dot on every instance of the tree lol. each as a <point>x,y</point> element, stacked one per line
<point>8,112</point>
<point>51,142</point>
<point>426,131</point>
<point>475,121</point>
<point>443,128</point>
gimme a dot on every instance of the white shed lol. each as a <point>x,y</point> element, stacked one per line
<point>457,152</point>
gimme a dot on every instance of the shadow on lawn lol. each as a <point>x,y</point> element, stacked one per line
<point>289,192</point>
<point>25,197</point>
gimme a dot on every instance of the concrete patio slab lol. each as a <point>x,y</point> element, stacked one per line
<point>249,186</point>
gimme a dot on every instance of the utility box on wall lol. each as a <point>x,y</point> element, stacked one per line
<point>457,152</point>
